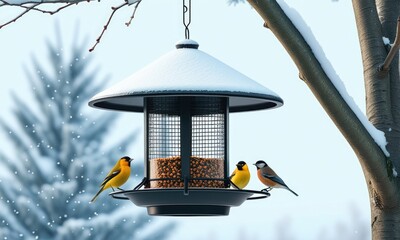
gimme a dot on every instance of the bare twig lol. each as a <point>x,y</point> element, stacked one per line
<point>41,2</point>
<point>133,14</point>
<point>58,9</point>
<point>108,23</point>
<point>393,50</point>
<point>33,6</point>
<point>51,12</point>
<point>39,6</point>
<point>27,9</point>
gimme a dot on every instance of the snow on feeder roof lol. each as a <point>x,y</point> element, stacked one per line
<point>187,71</point>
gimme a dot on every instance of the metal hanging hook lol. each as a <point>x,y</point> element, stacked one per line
<point>187,16</point>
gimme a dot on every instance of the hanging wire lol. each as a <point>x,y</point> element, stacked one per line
<point>187,16</point>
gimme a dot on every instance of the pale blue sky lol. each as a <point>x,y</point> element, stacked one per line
<point>298,140</point>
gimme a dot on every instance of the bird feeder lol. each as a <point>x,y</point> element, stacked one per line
<point>186,97</point>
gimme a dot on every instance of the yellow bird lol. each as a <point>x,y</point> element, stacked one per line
<point>241,175</point>
<point>118,175</point>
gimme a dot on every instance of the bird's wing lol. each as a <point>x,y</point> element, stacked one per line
<point>233,174</point>
<point>110,176</point>
<point>275,178</point>
<point>115,168</point>
<point>111,173</point>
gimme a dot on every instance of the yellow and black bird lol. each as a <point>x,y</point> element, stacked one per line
<point>269,178</point>
<point>118,175</point>
<point>240,177</point>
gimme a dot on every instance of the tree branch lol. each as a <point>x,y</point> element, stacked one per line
<point>393,50</point>
<point>108,23</point>
<point>27,9</point>
<point>133,14</point>
<point>127,3</point>
<point>32,5</point>
<point>371,156</point>
<point>54,11</point>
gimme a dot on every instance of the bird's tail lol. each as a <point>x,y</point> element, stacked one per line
<point>97,194</point>
<point>292,191</point>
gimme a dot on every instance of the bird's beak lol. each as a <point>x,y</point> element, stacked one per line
<point>130,160</point>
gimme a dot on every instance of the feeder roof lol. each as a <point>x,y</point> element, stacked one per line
<point>187,71</point>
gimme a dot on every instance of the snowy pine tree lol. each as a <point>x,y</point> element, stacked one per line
<point>58,162</point>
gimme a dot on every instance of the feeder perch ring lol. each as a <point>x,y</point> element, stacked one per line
<point>198,201</point>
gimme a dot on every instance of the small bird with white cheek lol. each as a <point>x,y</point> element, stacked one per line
<point>118,175</point>
<point>240,177</point>
<point>269,178</point>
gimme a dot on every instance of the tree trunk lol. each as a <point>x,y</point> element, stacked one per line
<point>385,223</point>
<point>385,213</point>
<point>374,21</point>
<point>383,101</point>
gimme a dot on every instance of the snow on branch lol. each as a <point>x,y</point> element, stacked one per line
<point>42,6</point>
<point>35,5</point>
<point>393,50</point>
<point>306,32</point>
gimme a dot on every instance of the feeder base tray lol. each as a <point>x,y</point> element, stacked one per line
<point>194,202</point>
<point>188,210</point>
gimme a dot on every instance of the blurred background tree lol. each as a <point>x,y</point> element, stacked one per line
<point>57,161</point>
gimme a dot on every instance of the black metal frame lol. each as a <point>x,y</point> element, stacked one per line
<point>145,181</point>
<point>186,140</point>
<point>184,109</point>
<point>188,129</point>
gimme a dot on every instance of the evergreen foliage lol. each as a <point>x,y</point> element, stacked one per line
<point>57,163</point>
